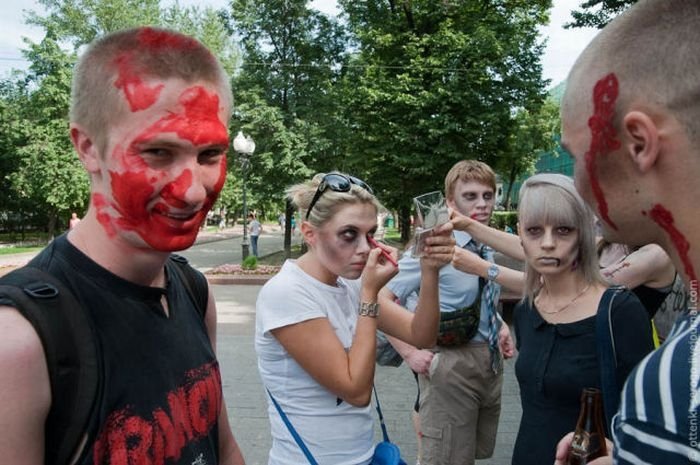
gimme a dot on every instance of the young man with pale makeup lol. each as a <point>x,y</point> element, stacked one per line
<point>630,120</point>
<point>460,378</point>
<point>148,120</point>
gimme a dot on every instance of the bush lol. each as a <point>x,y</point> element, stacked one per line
<point>500,220</point>
<point>250,262</point>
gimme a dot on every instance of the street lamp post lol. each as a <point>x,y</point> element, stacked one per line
<point>245,146</point>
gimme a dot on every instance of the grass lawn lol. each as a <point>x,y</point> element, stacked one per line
<point>12,249</point>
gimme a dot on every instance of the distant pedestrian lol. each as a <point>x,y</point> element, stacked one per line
<point>74,220</point>
<point>255,230</point>
<point>281,220</point>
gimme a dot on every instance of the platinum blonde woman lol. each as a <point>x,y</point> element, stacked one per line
<point>555,322</point>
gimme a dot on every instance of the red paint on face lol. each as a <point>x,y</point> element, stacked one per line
<point>603,136</point>
<point>664,218</point>
<point>139,95</point>
<point>103,218</point>
<point>172,222</point>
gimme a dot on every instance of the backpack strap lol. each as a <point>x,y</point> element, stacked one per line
<point>607,355</point>
<point>72,356</point>
<point>195,282</point>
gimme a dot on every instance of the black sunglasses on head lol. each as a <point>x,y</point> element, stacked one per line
<point>336,182</point>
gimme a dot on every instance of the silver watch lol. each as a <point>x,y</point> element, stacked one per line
<point>492,272</point>
<point>370,309</point>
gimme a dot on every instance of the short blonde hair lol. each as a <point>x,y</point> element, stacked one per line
<point>553,199</point>
<point>329,202</point>
<point>466,171</point>
<point>97,102</point>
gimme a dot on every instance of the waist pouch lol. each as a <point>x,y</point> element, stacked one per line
<point>460,326</point>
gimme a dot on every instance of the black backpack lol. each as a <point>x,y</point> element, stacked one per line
<point>72,355</point>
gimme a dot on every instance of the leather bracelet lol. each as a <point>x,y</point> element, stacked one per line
<point>370,309</point>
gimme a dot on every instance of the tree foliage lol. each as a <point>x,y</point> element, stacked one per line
<point>598,13</point>
<point>434,83</point>
<point>396,93</point>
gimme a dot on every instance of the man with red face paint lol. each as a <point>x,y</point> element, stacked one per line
<point>148,121</point>
<point>630,120</point>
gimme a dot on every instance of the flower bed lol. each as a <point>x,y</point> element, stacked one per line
<point>238,270</point>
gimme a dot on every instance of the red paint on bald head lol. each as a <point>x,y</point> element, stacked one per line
<point>139,95</point>
<point>158,39</point>
<point>664,218</point>
<point>603,136</point>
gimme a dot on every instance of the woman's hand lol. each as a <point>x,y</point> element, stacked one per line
<point>439,247</point>
<point>460,222</point>
<point>469,262</point>
<point>378,271</point>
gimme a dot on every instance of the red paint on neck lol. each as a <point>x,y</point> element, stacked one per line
<point>139,95</point>
<point>664,219</point>
<point>603,136</point>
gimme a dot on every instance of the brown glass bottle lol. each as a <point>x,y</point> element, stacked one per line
<point>589,438</point>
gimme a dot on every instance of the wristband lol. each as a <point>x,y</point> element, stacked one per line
<point>370,309</point>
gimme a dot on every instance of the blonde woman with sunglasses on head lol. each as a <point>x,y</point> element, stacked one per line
<point>317,319</point>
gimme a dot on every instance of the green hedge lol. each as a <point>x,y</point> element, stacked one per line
<point>500,220</point>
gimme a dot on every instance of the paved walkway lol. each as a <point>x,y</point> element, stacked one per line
<point>247,404</point>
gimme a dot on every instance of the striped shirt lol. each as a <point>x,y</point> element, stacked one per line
<point>659,418</point>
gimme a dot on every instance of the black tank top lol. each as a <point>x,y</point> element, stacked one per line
<point>161,387</point>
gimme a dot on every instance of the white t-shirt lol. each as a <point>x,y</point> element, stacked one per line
<point>255,228</point>
<point>335,432</point>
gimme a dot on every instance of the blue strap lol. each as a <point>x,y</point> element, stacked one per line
<point>300,442</point>
<point>607,357</point>
<point>295,435</point>
<point>381,417</point>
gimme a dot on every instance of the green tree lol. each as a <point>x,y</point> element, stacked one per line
<point>436,82</point>
<point>534,134</point>
<point>285,91</point>
<point>50,173</point>
<point>598,13</point>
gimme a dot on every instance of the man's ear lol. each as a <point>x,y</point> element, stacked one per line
<point>450,203</point>
<point>86,148</point>
<point>640,139</point>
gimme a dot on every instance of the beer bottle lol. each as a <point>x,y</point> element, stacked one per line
<point>589,438</point>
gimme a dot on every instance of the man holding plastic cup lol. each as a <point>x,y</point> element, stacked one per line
<point>460,378</point>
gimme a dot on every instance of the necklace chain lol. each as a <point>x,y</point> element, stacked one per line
<point>571,302</point>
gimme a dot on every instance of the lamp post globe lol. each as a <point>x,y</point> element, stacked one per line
<point>245,146</point>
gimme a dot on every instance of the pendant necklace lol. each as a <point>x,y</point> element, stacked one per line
<point>571,302</point>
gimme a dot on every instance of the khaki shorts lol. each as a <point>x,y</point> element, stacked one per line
<point>460,404</point>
